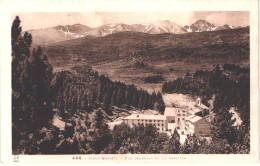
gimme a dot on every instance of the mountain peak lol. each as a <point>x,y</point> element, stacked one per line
<point>165,21</point>
<point>200,20</point>
<point>165,26</point>
<point>200,26</point>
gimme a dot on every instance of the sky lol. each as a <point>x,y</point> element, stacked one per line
<point>95,19</point>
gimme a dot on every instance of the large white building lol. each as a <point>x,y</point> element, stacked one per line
<point>159,121</point>
<point>186,120</point>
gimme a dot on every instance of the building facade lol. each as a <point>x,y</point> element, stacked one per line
<point>184,120</point>
<point>159,121</point>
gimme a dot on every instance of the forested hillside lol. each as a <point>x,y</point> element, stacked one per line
<point>82,89</point>
<point>228,87</point>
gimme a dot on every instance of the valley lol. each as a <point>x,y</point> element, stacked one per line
<point>130,57</point>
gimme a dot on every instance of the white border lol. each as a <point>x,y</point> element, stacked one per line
<point>9,7</point>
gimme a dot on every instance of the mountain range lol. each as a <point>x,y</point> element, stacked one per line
<point>60,33</point>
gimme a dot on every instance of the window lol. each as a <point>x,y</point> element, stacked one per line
<point>138,120</point>
<point>154,120</point>
<point>182,132</point>
<point>183,114</point>
<point>183,111</point>
<point>138,123</point>
<point>178,114</point>
<point>142,120</point>
<point>162,124</point>
<point>178,110</point>
<point>146,120</point>
<point>183,118</point>
<point>158,124</point>
<point>150,120</point>
<point>178,127</point>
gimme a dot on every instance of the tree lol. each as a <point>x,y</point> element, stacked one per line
<point>191,144</point>
<point>174,144</point>
<point>41,76</point>
<point>120,134</point>
<point>102,135</point>
<point>159,104</point>
<point>223,127</point>
<point>161,142</point>
<point>31,87</point>
<point>242,144</point>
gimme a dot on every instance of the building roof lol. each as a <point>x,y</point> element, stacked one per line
<point>142,116</point>
<point>194,118</point>
<point>189,117</point>
<point>194,110</point>
<point>112,124</point>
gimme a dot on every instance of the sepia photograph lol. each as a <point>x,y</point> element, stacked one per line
<point>130,83</point>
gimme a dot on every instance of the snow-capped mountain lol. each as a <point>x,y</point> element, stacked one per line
<point>108,29</point>
<point>200,26</point>
<point>46,36</point>
<point>226,26</point>
<point>153,28</point>
<point>59,33</point>
<point>76,30</point>
<point>165,27</point>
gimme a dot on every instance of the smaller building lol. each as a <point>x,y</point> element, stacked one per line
<point>170,114</point>
<point>200,126</point>
<point>198,101</point>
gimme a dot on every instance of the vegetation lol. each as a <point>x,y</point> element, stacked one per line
<point>82,97</point>
<point>230,88</point>
<point>129,57</point>
<point>82,89</point>
<point>31,89</point>
<point>154,79</point>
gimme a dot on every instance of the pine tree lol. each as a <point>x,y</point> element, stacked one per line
<point>191,144</point>
<point>222,127</point>
<point>159,104</point>
<point>174,144</point>
<point>31,87</point>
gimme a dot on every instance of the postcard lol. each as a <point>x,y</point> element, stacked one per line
<point>129,81</point>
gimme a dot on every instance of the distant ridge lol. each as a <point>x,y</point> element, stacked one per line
<point>61,33</point>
